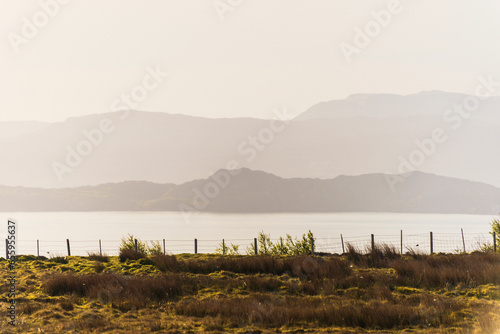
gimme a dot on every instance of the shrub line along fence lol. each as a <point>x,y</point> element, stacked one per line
<point>446,242</point>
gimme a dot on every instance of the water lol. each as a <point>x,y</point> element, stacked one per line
<point>85,229</point>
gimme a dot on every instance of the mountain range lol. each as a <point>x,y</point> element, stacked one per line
<point>348,155</point>
<point>247,191</point>
<point>362,134</point>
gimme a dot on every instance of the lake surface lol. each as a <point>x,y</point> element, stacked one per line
<point>84,230</point>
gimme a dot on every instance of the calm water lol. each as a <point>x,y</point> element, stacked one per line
<point>85,229</point>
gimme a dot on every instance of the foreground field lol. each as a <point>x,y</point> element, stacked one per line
<point>380,292</point>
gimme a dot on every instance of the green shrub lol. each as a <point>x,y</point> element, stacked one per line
<point>290,246</point>
<point>128,243</point>
<point>230,249</point>
<point>495,228</point>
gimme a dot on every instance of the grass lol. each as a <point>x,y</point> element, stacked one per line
<point>98,257</point>
<point>131,254</point>
<point>379,291</point>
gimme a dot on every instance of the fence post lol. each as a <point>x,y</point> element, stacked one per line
<point>373,242</point>
<point>6,249</point>
<point>342,240</point>
<point>401,242</point>
<point>223,247</point>
<point>255,245</point>
<point>196,246</point>
<point>463,240</point>
<point>494,242</point>
<point>432,245</point>
<point>38,248</point>
<point>135,245</point>
<point>164,249</point>
<point>281,245</point>
<point>312,246</point>
<point>69,249</point>
<point>100,248</point>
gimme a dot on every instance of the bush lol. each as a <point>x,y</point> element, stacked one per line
<point>128,243</point>
<point>290,246</point>
<point>130,254</point>
<point>495,228</point>
<point>128,249</point>
<point>154,249</point>
<point>230,249</point>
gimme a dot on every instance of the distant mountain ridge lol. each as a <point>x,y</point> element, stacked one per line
<point>431,103</point>
<point>247,191</point>
<point>363,134</point>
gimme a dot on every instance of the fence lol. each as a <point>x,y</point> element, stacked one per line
<point>424,243</point>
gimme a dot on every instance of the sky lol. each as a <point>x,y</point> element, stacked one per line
<point>234,58</point>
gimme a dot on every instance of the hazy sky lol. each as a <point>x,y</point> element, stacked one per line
<point>229,58</point>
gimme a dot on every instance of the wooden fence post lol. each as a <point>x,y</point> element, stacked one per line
<point>342,240</point>
<point>432,244</point>
<point>373,242</point>
<point>494,242</point>
<point>463,239</point>
<point>312,246</point>
<point>196,246</point>
<point>255,245</point>
<point>164,249</point>
<point>135,245</point>
<point>38,248</point>
<point>100,248</point>
<point>223,247</point>
<point>69,249</point>
<point>401,242</point>
<point>281,245</point>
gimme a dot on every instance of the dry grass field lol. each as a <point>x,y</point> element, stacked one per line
<point>378,292</point>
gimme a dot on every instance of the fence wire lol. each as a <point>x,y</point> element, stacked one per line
<point>422,243</point>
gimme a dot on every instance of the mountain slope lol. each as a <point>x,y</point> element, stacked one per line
<point>431,103</point>
<point>246,191</point>
<point>364,134</point>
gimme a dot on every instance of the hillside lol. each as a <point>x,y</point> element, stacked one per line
<point>430,103</point>
<point>363,134</point>
<point>246,191</point>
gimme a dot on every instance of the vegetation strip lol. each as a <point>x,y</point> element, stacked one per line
<point>380,291</point>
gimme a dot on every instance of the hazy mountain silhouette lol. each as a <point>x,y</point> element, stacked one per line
<point>431,103</point>
<point>370,133</point>
<point>258,192</point>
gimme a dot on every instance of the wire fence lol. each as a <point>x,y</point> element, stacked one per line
<point>424,243</point>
